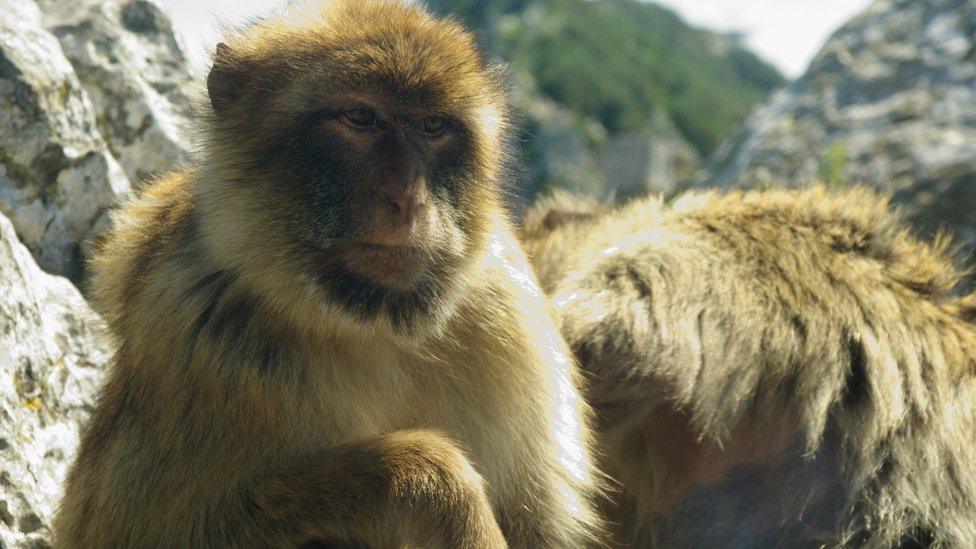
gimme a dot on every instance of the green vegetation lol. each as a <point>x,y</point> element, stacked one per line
<point>833,165</point>
<point>619,61</point>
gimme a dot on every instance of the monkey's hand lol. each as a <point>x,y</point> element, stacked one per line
<point>405,489</point>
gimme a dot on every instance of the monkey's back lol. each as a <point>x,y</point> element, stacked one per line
<point>774,367</point>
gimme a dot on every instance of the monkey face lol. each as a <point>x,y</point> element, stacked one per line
<point>381,212</point>
<point>376,154</point>
<point>383,185</point>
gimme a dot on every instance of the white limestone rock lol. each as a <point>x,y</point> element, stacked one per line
<point>51,347</point>
<point>134,69</point>
<point>57,176</point>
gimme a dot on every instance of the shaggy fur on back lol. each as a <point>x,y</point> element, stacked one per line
<point>770,368</point>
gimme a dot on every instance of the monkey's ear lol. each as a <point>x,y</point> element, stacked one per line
<point>226,79</point>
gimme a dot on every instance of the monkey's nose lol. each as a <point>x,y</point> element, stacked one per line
<point>405,202</point>
<point>399,204</point>
<point>398,222</point>
<point>402,209</point>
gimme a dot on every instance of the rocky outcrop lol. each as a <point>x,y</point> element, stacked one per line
<point>91,100</point>
<point>57,176</point>
<point>563,150</point>
<point>133,68</point>
<point>889,101</point>
<point>558,149</point>
<point>657,160</point>
<point>51,347</point>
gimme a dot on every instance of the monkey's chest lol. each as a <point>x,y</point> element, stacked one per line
<point>378,391</point>
<point>367,395</point>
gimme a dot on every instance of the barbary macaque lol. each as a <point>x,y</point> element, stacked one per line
<point>770,368</point>
<point>326,330</point>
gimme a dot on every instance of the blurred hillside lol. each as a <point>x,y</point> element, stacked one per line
<point>628,94</point>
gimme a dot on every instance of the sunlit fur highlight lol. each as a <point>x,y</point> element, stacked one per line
<point>770,368</point>
<point>246,406</point>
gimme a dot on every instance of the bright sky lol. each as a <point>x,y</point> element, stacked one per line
<point>786,32</point>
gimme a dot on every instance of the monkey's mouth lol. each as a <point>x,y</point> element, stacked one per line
<point>394,266</point>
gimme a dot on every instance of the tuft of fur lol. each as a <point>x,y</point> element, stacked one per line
<point>248,405</point>
<point>780,367</point>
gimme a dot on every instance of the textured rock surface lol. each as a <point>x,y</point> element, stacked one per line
<point>57,176</point>
<point>657,160</point>
<point>91,100</point>
<point>135,72</point>
<point>890,100</point>
<point>51,345</point>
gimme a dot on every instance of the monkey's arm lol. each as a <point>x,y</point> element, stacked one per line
<point>407,488</point>
<point>410,486</point>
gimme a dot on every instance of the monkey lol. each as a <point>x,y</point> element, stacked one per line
<point>325,328</point>
<point>769,368</point>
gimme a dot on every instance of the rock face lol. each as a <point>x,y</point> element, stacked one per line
<point>565,151</point>
<point>51,153</point>
<point>134,70</point>
<point>890,101</point>
<point>83,86</point>
<point>92,100</point>
<point>657,160</point>
<point>559,152</point>
<point>51,346</point>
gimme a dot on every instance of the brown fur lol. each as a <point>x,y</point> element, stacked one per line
<point>786,368</point>
<point>251,401</point>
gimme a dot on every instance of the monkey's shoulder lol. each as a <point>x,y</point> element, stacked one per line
<point>143,231</point>
<point>158,209</point>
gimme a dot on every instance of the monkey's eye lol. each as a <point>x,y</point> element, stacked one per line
<point>433,125</point>
<point>361,117</point>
